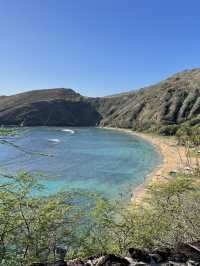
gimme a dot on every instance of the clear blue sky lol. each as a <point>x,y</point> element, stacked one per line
<point>98,47</point>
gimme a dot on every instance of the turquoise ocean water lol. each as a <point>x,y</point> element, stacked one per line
<point>90,159</point>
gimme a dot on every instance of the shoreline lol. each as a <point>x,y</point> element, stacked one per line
<point>173,159</point>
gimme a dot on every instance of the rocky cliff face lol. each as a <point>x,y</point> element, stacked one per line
<point>170,102</point>
<point>56,107</point>
<point>173,101</point>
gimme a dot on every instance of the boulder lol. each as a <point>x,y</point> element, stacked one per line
<point>161,254</point>
<point>112,260</point>
<point>190,250</point>
<point>139,255</point>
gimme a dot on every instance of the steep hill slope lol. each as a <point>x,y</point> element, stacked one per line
<point>170,102</point>
<point>54,107</point>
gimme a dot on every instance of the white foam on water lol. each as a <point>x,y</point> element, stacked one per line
<point>54,140</point>
<point>68,130</point>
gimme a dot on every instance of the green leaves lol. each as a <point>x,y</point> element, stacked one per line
<point>31,226</point>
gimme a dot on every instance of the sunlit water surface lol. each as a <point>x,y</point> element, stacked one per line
<point>88,159</point>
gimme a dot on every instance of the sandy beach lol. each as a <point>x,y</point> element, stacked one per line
<point>173,156</point>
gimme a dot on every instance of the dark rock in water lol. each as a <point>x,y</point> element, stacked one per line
<point>139,255</point>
